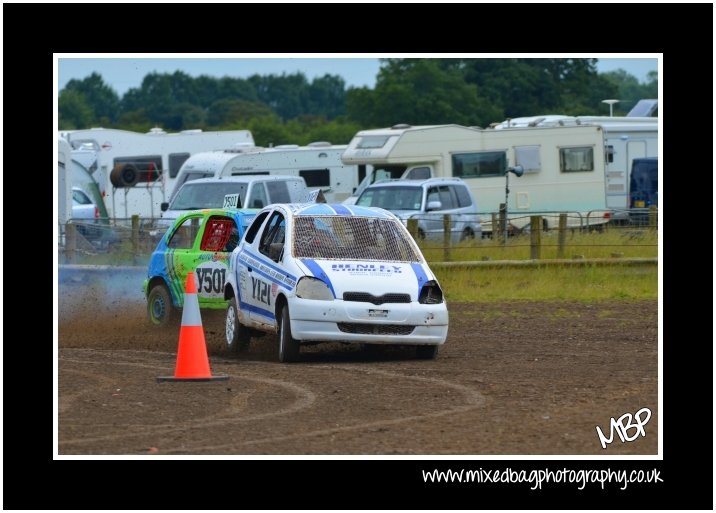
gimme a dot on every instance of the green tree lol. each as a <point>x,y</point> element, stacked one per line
<point>629,89</point>
<point>418,92</point>
<point>234,111</point>
<point>326,97</point>
<point>99,97</point>
<point>285,94</point>
<point>73,110</point>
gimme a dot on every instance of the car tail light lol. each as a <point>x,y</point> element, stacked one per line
<point>431,294</point>
<point>96,212</point>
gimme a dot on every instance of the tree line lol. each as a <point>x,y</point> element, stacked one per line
<point>290,109</point>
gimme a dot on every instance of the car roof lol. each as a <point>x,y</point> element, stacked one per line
<point>332,209</point>
<point>404,182</point>
<point>220,212</point>
<point>245,179</point>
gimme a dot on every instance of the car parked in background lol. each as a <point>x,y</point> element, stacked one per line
<point>329,272</point>
<point>428,201</point>
<point>85,214</point>
<point>255,191</point>
<point>199,241</point>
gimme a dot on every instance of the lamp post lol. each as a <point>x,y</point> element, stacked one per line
<point>518,171</point>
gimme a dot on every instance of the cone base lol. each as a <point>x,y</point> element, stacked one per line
<point>218,377</point>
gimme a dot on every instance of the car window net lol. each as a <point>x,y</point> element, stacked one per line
<point>352,238</point>
<point>217,234</point>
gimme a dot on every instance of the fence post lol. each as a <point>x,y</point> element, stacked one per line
<point>535,237</point>
<point>413,227</point>
<point>503,223</point>
<point>562,234</point>
<point>653,220</point>
<point>135,238</point>
<point>447,237</point>
<point>70,242</point>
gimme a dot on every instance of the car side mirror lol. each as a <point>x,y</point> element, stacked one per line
<point>434,205</point>
<point>164,206</point>
<point>275,250</point>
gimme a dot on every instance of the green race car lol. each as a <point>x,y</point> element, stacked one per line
<point>200,241</point>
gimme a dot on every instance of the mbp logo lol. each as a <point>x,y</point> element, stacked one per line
<point>622,426</point>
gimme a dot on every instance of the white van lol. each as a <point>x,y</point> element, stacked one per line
<point>318,163</point>
<point>255,191</point>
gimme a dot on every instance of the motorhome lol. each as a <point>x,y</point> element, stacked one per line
<point>318,163</point>
<point>625,138</point>
<point>564,166</point>
<point>135,172</point>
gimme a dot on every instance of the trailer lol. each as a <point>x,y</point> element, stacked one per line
<point>318,163</point>
<point>135,172</point>
<point>625,138</point>
<point>564,166</point>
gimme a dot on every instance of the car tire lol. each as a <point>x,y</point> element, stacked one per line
<point>467,234</point>
<point>288,347</point>
<point>426,352</point>
<point>238,336</point>
<point>160,309</point>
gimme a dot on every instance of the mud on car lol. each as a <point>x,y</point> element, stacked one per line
<point>322,272</point>
<point>200,241</point>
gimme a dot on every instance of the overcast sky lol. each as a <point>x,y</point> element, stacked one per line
<point>124,73</point>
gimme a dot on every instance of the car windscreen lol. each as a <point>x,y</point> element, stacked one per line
<point>392,198</point>
<point>352,238</point>
<point>193,196</point>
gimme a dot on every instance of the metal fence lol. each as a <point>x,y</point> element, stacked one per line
<point>539,235</point>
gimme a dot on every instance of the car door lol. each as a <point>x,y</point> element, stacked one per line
<point>256,293</point>
<point>262,287</point>
<point>200,244</point>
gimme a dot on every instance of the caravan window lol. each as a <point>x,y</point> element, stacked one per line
<point>576,159</point>
<point>316,177</point>
<point>372,141</point>
<point>479,165</point>
<point>528,157</point>
<point>175,162</point>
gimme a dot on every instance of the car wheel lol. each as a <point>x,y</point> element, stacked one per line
<point>237,335</point>
<point>160,308</point>
<point>421,234</point>
<point>426,352</point>
<point>467,234</point>
<point>288,348</point>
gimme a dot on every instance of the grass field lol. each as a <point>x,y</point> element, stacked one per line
<point>549,283</point>
<point>626,242</point>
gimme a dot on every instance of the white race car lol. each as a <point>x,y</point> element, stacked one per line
<point>320,272</point>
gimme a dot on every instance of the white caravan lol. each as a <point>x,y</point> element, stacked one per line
<point>318,163</point>
<point>64,181</point>
<point>563,166</point>
<point>136,172</point>
<point>625,138</point>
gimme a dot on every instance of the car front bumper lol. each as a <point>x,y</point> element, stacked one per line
<point>348,321</point>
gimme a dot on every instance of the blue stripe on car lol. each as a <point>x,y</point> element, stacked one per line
<point>420,275</point>
<point>257,310</point>
<point>341,210</point>
<point>318,273</point>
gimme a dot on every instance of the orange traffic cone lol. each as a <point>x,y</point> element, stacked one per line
<point>192,359</point>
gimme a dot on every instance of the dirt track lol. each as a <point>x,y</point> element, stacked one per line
<point>512,379</point>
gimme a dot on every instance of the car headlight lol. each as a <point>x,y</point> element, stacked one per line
<point>313,288</point>
<point>431,294</point>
